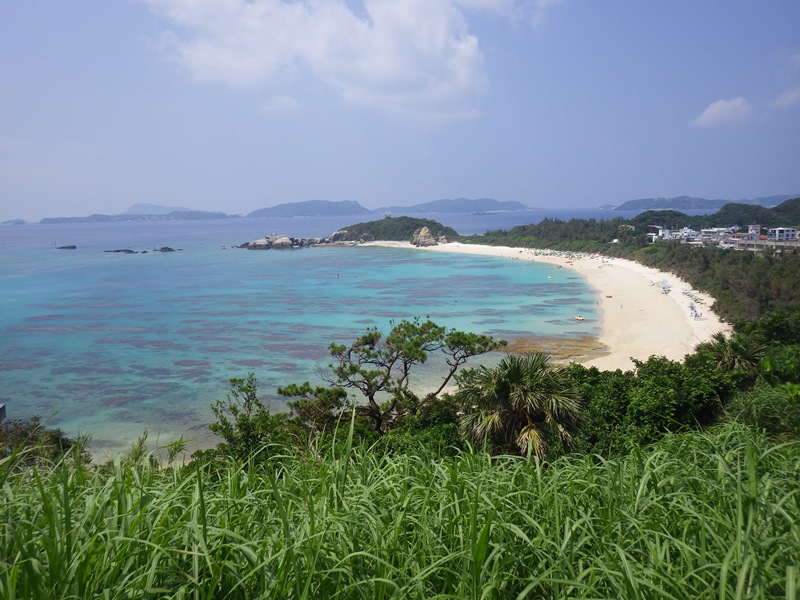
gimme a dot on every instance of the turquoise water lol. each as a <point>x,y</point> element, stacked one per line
<point>111,344</point>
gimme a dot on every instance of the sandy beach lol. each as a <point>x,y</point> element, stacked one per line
<point>638,318</point>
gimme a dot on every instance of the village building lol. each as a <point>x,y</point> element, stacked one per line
<point>777,239</point>
<point>782,234</point>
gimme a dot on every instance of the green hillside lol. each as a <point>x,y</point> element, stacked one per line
<point>396,229</point>
<point>785,214</point>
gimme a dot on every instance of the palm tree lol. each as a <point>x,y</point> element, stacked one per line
<point>520,406</point>
<point>737,353</point>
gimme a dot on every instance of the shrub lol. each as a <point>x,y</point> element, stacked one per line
<point>774,410</point>
<point>27,442</point>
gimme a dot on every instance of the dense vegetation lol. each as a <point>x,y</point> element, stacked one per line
<point>701,515</point>
<point>396,229</point>
<point>42,445</point>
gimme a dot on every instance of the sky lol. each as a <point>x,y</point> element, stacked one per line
<point>235,105</point>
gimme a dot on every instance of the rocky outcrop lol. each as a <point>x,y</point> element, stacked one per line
<point>282,242</point>
<point>279,241</point>
<point>422,237</point>
<point>129,251</point>
<point>337,236</point>
<point>259,244</point>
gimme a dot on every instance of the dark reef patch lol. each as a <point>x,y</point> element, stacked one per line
<point>120,400</point>
<point>20,365</point>
<point>250,362</point>
<point>216,349</point>
<point>191,363</point>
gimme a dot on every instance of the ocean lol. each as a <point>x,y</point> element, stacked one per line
<point>111,344</point>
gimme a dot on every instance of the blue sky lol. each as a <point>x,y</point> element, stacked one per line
<point>234,105</point>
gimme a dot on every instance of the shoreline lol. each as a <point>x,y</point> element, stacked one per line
<point>637,318</point>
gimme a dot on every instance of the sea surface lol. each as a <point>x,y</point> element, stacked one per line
<point>112,344</point>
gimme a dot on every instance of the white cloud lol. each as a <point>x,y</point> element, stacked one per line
<point>724,112</point>
<point>539,9</point>
<point>533,11</point>
<point>788,99</point>
<point>414,58</point>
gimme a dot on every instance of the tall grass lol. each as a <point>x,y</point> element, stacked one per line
<point>701,515</point>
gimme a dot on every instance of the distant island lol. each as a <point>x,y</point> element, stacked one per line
<point>191,215</point>
<point>308,208</point>
<point>314,208</point>
<point>325,208</point>
<point>692,203</point>
<point>457,205</point>
<point>145,208</point>
<point>311,208</point>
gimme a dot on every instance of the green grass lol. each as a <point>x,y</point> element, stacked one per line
<point>700,515</point>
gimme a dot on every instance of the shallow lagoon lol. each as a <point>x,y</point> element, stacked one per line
<point>112,344</point>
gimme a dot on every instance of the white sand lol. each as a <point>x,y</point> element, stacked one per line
<point>638,318</point>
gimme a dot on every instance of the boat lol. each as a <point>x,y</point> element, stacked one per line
<point>578,318</point>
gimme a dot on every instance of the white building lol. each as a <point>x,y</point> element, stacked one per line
<point>782,234</point>
<point>711,235</point>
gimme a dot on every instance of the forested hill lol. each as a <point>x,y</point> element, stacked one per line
<point>395,229</point>
<point>786,214</point>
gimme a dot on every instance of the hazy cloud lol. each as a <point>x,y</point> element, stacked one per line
<point>788,99</point>
<point>415,58</point>
<point>724,112</point>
